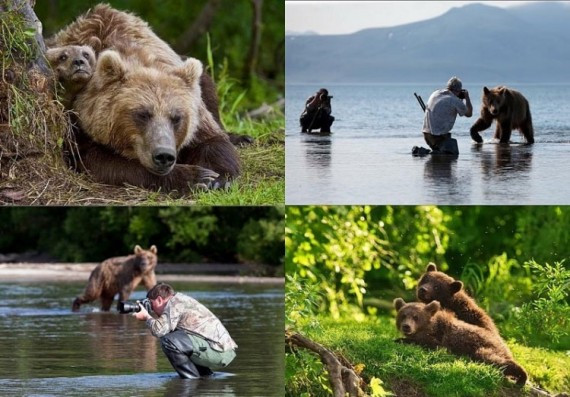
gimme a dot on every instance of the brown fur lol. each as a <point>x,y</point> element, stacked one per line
<point>429,326</point>
<point>119,275</point>
<point>438,286</point>
<point>511,111</point>
<point>153,109</point>
<point>73,66</point>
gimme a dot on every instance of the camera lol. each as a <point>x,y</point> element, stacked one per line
<point>133,307</point>
<point>461,94</point>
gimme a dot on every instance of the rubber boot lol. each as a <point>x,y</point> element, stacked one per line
<point>178,349</point>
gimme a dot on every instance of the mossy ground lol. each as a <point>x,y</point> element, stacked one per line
<point>408,370</point>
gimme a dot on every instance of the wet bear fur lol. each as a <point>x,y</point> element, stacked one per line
<point>438,286</point>
<point>430,326</point>
<point>510,109</point>
<point>119,275</point>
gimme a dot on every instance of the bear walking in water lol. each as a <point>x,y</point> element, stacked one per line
<point>429,326</point>
<point>119,275</point>
<point>511,111</point>
<point>143,117</point>
<point>438,286</point>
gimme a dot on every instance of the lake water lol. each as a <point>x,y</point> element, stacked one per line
<point>49,351</point>
<point>367,158</point>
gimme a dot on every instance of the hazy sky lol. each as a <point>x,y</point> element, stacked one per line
<point>338,17</point>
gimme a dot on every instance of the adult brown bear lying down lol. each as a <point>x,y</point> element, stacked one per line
<point>146,117</point>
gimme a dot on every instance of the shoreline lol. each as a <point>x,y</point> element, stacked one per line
<point>33,272</point>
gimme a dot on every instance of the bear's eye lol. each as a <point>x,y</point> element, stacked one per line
<point>86,55</point>
<point>143,115</point>
<point>436,288</point>
<point>63,58</point>
<point>415,317</point>
<point>175,118</point>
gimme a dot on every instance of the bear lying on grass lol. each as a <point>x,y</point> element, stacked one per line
<point>143,118</point>
<point>429,326</point>
<point>511,111</point>
<point>119,275</point>
<point>438,286</point>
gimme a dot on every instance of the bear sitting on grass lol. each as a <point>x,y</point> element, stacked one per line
<point>119,275</point>
<point>143,118</point>
<point>511,111</point>
<point>429,326</point>
<point>438,286</point>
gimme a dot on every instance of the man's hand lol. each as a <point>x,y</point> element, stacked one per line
<point>142,315</point>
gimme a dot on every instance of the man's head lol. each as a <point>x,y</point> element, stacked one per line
<point>159,295</point>
<point>454,85</point>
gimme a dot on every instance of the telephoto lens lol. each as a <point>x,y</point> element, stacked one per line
<point>133,307</point>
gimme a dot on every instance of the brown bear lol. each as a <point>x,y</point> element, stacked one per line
<point>73,66</point>
<point>438,286</point>
<point>511,111</point>
<point>430,326</point>
<point>143,118</point>
<point>119,275</point>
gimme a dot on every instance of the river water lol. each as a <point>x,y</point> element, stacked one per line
<point>49,351</point>
<point>367,158</point>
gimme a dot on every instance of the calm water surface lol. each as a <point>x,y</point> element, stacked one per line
<point>49,351</point>
<point>367,160</point>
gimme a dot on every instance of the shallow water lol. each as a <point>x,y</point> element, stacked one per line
<point>367,159</point>
<point>49,351</point>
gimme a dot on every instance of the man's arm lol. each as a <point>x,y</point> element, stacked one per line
<point>158,327</point>
<point>469,112</point>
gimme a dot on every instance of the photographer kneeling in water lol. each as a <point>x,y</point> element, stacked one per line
<point>317,113</point>
<point>193,339</point>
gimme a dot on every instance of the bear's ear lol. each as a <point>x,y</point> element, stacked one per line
<point>190,71</point>
<point>455,287</point>
<point>486,91</point>
<point>138,249</point>
<point>153,249</point>
<point>431,267</point>
<point>399,303</point>
<point>433,307</point>
<point>110,67</point>
<point>52,54</point>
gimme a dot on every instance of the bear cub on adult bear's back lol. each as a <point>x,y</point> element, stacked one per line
<point>438,286</point>
<point>429,326</point>
<point>511,111</point>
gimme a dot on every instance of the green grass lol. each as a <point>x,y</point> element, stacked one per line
<point>427,372</point>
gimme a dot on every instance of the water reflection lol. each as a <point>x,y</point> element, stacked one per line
<point>195,387</point>
<point>318,150</point>
<point>440,176</point>
<point>505,160</point>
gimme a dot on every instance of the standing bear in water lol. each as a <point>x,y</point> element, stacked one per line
<point>144,119</point>
<point>119,275</point>
<point>430,326</point>
<point>511,111</point>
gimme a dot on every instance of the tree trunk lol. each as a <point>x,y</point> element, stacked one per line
<point>256,27</point>
<point>342,377</point>
<point>201,24</point>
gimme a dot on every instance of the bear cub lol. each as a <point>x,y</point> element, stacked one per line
<point>73,66</point>
<point>429,326</point>
<point>511,111</point>
<point>438,286</point>
<point>119,275</point>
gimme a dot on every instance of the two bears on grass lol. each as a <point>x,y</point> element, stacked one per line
<point>447,317</point>
<point>146,117</point>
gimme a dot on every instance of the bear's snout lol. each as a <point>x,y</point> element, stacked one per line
<point>406,329</point>
<point>163,158</point>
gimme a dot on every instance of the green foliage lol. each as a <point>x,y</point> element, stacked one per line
<point>182,234</point>
<point>546,319</point>
<point>302,301</point>
<point>333,247</point>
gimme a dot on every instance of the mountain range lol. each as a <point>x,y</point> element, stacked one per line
<point>479,43</point>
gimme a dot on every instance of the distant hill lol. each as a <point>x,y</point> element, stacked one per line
<point>477,42</point>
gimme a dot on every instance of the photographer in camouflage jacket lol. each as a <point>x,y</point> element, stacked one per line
<point>192,337</point>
